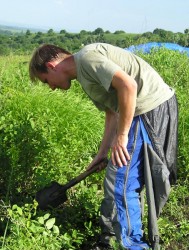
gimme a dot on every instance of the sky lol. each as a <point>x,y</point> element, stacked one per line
<point>131,16</point>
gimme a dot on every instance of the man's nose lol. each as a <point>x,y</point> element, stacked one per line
<point>52,86</point>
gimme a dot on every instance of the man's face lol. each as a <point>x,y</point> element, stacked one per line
<point>55,77</point>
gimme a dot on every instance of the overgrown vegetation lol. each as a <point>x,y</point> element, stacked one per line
<point>47,136</point>
<point>25,41</point>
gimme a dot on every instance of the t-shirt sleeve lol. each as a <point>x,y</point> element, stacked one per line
<point>99,106</point>
<point>99,68</point>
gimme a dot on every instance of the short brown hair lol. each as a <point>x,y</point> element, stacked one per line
<point>43,54</point>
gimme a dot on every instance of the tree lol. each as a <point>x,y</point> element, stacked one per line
<point>98,31</point>
<point>39,34</point>
<point>50,32</point>
<point>83,32</point>
<point>63,32</point>
<point>119,32</point>
<point>160,32</point>
<point>166,36</point>
<point>28,33</point>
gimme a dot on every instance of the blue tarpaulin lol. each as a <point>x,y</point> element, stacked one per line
<point>146,47</point>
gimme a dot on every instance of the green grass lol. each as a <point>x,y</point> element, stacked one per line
<point>47,135</point>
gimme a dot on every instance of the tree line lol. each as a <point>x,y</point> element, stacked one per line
<point>25,42</point>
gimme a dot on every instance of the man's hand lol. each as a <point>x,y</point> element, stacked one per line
<point>102,162</point>
<point>119,153</point>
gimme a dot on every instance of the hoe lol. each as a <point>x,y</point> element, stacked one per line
<point>54,195</point>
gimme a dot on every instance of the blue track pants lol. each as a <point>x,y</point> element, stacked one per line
<point>121,209</point>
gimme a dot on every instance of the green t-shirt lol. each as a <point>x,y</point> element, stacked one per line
<point>96,65</point>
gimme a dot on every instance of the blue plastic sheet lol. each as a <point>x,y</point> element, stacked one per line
<point>147,47</point>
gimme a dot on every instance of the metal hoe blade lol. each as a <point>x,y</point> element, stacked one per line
<point>55,194</point>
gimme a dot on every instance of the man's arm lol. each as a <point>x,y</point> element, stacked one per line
<point>126,88</point>
<point>110,128</point>
<point>117,125</point>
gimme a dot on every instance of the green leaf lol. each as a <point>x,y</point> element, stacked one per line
<point>9,212</point>
<point>46,216</point>
<point>32,123</point>
<point>56,230</point>
<point>41,220</point>
<point>50,223</point>
<point>19,211</point>
<point>14,207</point>
<point>28,223</point>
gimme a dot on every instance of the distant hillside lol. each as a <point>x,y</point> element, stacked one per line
<point>22,39</point>
<point>16,29</point>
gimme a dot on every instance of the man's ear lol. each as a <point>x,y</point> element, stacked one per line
<point>50,65</point>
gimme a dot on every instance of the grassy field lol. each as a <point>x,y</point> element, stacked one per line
<point>47,136</point>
